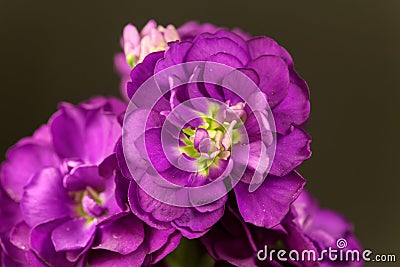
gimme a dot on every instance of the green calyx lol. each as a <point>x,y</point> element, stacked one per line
<point>131,60</point>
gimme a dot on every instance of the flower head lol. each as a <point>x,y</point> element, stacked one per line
<point>63,181</point>
<point>136,46</point>
<point>194,130</point>
<point>151,39</point>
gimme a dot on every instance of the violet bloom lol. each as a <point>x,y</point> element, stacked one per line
<point>268,66</point>
<point>136,46</point>
<point>152,38</point>
<point>232,242</point>
<point>59,200</point>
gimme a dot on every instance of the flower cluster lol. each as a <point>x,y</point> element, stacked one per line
<point>59,196</point>
<point>205,146</point>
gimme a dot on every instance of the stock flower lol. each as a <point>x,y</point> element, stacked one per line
<point>152,38</point>
<point>136,46</point>
<point>202,150</point>
<point>59,204</point>
<point>232,242</point>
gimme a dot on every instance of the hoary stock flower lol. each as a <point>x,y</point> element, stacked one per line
<point>136,46</point>
<point>58,196</point>
<point>189,87</point>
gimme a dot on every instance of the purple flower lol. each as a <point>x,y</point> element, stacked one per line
<point>137,46</point>
<point>152,38</point>
<point>232,242</point>
<point>59,200</point>
<point>205,146</point>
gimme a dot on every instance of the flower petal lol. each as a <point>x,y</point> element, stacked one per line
<point>22,163</point>
<point>42,245</point>
<point>104,258</point>
<point>9,212</point>
<point>274,77</point>
<point>19,236</point>
<point>45,199</point>
<point>83,176</point>
<point>262,45</point>
<point>194,224</point>
<point>204,48</point>
<point>294,109</point>
<point>291,151</point>
<point>124,235</point>
<point>268,205</point>
<point>73,234</point>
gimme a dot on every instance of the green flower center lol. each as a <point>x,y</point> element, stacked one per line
<point>212,141</point>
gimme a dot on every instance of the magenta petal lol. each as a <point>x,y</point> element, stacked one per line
<point>200,196</point>
<point>159,210</point>
<point>76,255</point>
<point>20,235</point>
<point>67,128</point>
<point>156,239</point>
<point>154,150</point>
<point>262,45</point>
<point>45,199</point>
<point>334,226</point>
<point>194,224</point>
<point>174,55</point>
<point>108,166</point>
<point>102,131</point>
<point>83,176</point>
<point>9,212</point>
<point>291,151</point>
<point>224,33</point>
<point>296,237</point>
<point>73,234</point>
<point>170,245</point>
<point>268,205</point>
<point>87,132</point>
<point>103,258</point>
<point>199,136</point>
<point>142,72</point>
<point>42,245</point>
<point>274,77</point>
<point>138,210</point>
<point>206,47</point>
<point>123,235</point>
<point>14,254</point>
<point>22,163</point>
<point>294,109</point>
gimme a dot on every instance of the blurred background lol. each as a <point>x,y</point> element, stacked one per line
<point>347,51</point>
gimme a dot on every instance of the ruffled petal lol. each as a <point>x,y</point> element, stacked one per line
<point>262,45</point>
<point>45,199</point>
<point>104,258</point>
<point>124,235</point>
<point>294,109</point>
<point>83,176</point>
<point>42,245</point>
<point>22,163</point>
<point>73,234</point>
<point>274,77</point>
<point>268,205</point>
<point>291,151</point>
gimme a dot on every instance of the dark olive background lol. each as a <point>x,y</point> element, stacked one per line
<point>348,52</point>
